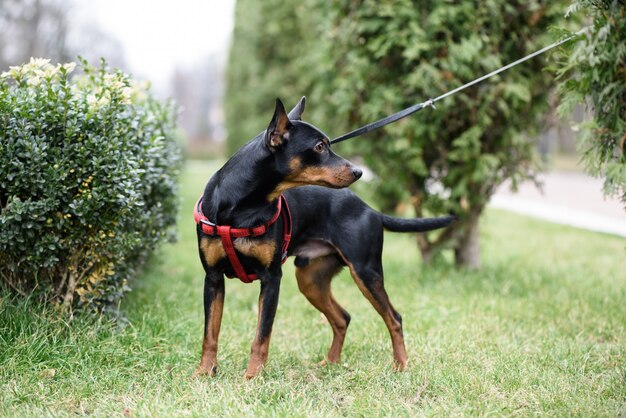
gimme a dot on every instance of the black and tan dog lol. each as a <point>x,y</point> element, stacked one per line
<point>254,207</point>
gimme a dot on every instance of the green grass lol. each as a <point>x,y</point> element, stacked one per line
<point>541,330</point>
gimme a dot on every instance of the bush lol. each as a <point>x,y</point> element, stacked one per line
<point>88,181</point>
<point>594,73</point>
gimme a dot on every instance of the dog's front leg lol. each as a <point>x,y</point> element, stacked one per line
<point>268,302</point>
<point>213,307</point>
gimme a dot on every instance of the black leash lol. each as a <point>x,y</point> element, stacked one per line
<point>385,121</point>
<point>431,102</point>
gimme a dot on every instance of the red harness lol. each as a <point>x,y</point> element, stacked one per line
<point>227,234</point>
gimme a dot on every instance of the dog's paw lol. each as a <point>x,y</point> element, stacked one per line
<point>248,375</point>
<point>328,362</point>
<point>205,371</point>
<point>399,366</point>
<point>254,369</point>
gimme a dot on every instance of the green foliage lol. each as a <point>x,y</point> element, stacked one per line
<point>361,60</point>
<point>252,85</point>
<point>594,74</point>
<point>452,158</point>
<point>88,169</point>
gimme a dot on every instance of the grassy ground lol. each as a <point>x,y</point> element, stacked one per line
<point>541,330</point>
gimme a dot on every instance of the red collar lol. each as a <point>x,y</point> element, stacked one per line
<point>226,233</point>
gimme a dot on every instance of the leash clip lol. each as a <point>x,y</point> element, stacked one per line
<point>430,103</point>
<point>207,222</point>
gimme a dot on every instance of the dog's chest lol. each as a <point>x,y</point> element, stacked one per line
<point>263,250</point>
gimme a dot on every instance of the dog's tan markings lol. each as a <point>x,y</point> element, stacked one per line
<point>280,189</point>
<point>212,250</point>
<point>325,176</point>
<point>260,348</point>
<point>262,251</point>
<point>208,361</point>
<point>340,176</point>
<point>383,306</point>
<point>258,357</point>
<point>314,283</point>
<point>295,164</point>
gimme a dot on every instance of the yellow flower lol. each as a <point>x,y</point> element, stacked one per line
<point>69,67</point>
<point>34,81</point>
<point>48,72</point>
<point>126,95</point>
<point>15,72</point>
<point>91,100</point>
<point>104,100</point>
<point>38,62</point>
<point>117,85</point>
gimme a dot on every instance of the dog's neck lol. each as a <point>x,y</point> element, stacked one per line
<point>237,194</point>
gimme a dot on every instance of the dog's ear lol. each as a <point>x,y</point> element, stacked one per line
<point>278,130</point>
<point>298,110</point>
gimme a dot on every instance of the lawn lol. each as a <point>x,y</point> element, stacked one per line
<point>540,330</point>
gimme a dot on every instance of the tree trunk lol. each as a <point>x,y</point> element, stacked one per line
<point>467,251</point>
<point>69,293</point>
<point>425,249</point>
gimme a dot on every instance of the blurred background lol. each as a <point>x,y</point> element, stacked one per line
<point>183,49</point>
<point>180,47</point>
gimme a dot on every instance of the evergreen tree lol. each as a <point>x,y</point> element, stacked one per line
<point>594,73</point>
<point>267,59</point>
<point>360,60</point>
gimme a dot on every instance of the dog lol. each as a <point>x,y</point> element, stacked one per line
<point>284,194</point>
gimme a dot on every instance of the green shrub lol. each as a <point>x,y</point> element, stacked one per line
<point>88,181</point>
<point>594,73</point>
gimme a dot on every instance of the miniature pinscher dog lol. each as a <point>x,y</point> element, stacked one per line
<point>326,228</point>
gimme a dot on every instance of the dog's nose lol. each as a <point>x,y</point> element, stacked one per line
<point>357,172</point>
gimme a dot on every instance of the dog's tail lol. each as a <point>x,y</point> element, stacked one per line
<point>417,224</point>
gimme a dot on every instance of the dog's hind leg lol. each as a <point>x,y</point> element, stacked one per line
<point>314,282</point>
<point>213,307</point>
<point>369,279</point>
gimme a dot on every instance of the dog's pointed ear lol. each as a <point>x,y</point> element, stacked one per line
<point>298,110</point>
<point>278,130</point>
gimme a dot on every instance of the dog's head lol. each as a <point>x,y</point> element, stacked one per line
<point>302,152</point>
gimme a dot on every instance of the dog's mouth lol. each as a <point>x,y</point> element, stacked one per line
<point>333,177</point>
<point>338,183</point>
<point>330,185</point>
<point>330,177</point>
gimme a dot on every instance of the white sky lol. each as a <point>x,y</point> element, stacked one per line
<point>160,35</point>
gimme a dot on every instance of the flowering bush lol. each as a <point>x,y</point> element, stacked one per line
<point>88,169</point>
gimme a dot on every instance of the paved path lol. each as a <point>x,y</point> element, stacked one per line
<point>568,198</point>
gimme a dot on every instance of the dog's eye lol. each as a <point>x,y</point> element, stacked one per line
<point>319,147</point>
